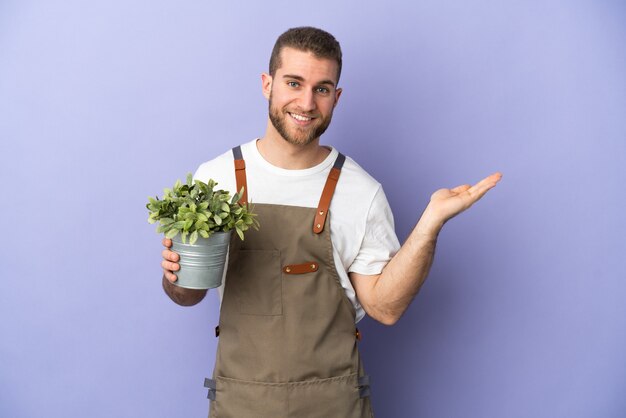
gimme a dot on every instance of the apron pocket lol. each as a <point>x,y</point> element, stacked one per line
<point>244,399</point>
<point>335,397</point>
<point>257,282</point>
<point>324,398</point>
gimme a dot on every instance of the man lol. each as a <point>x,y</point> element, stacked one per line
<point>325,254</point>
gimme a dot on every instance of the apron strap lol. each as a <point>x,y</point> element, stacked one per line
<point>210,384</point>
<point>327,194</point>
<point>364,386</point>
<point>240,174</point>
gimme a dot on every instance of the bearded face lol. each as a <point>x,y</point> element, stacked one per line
<point>295,126</point>
<point>302,95</point>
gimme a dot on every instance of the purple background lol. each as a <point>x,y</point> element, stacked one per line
<point>103,103</point>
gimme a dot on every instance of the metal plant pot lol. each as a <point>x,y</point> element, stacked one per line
<point>201,264</point>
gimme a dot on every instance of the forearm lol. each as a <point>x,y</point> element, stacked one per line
<point>182,296</point>
<point>402,278</point>
<point>385,297</point>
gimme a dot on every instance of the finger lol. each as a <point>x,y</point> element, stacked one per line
<point>168,265</point>
<point>461,189</point>
<point>170,255</point>
<point>495,177</point>
<point>170,276</point>
<point>489,180</point>
<point>167,242</point>
<point>479,189</point>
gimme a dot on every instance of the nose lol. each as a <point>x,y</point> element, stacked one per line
<point>306,101</point>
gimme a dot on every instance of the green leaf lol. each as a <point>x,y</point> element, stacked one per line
<point>204,188</point>
<point>197,209</point>
<point>193,238</point>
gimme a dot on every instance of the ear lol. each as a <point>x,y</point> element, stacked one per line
<point>337,94</point>
<point>266,84</point>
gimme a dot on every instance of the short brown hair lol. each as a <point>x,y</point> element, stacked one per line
<point>308,39</point>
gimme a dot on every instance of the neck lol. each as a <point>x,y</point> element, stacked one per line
<point>280,153</point>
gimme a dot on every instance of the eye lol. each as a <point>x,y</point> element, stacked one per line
<point>293,84</point>
<point>323,90</point>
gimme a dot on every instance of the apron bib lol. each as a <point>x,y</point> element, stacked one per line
<point>288,341</point>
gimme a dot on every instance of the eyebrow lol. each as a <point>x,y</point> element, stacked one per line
<point>300,78</point>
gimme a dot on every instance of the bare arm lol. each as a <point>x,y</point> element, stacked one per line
<point>180,295</point>
<point>385,297</point>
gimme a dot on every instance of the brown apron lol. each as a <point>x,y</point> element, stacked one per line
<point>288,342</point>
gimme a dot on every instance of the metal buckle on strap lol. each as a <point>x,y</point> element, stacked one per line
<point>364,386</point>
<point>240,175</point>
<point>210,384</point>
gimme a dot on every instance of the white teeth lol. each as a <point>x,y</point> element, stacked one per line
<point>300,118</point>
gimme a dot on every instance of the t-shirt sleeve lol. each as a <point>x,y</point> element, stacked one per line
<point>380,242</point>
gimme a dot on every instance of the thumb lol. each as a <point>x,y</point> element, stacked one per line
<point>461,189</point>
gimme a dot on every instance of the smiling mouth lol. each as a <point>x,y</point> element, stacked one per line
<point>300,118</point>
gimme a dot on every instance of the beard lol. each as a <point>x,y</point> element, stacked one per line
<point>298,135</point>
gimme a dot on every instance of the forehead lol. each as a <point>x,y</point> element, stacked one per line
<point>306,65</point>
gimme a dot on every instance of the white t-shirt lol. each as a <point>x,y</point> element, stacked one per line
<point>361,223</point>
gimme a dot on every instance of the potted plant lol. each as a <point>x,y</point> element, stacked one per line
<point>205,217</point>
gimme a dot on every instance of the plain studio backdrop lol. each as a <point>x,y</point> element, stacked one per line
<point>103,103</point>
